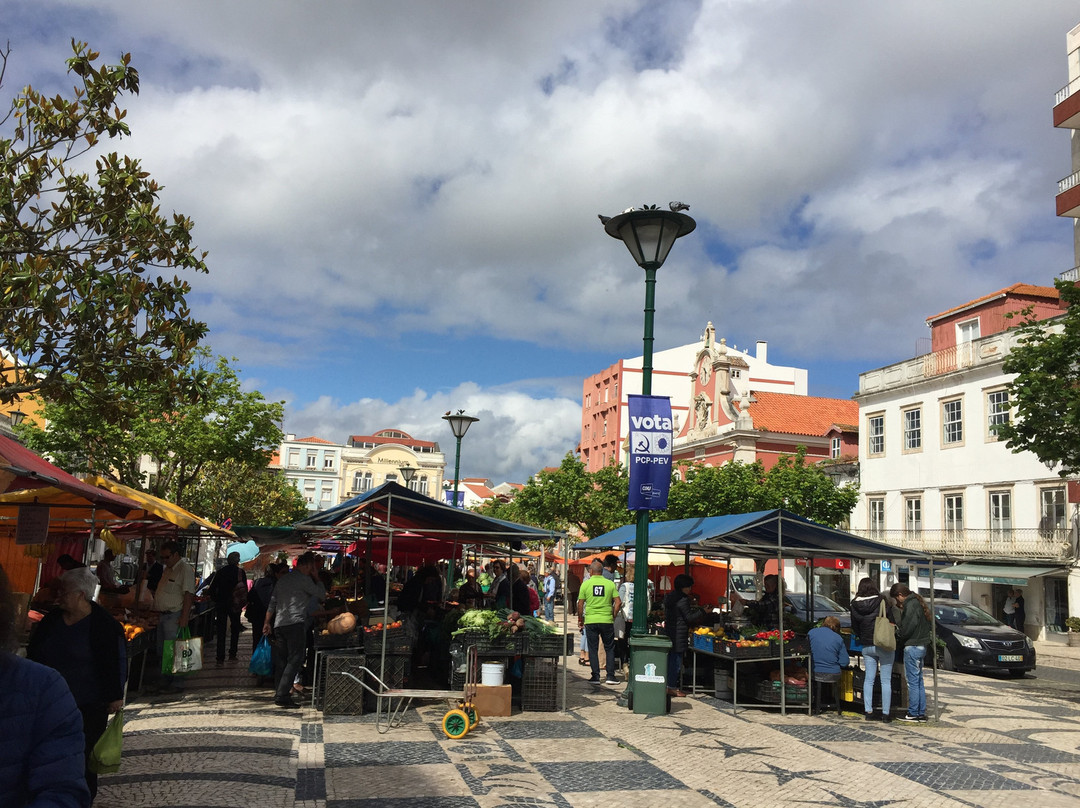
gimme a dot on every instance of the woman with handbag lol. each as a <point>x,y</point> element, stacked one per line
<point>870,623</point>
<point>86,645</point>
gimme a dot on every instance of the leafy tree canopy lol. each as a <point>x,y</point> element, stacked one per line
<point>88,299</point>
<point>247,494</point>
<point>1046,390</point>
<point>214,421</point>
<point>592,503</point>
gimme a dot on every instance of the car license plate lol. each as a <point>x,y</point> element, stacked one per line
<point>1010,658</point>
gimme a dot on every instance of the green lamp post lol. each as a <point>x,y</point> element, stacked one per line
<point>649,234</point>
<point>459,425</point>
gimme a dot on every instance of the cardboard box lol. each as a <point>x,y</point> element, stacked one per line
<point>492,700</point>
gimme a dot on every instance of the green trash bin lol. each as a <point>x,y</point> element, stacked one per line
<point>648,673</point>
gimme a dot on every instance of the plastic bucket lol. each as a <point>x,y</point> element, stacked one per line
<point>491,673</point>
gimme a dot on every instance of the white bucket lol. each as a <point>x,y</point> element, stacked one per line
<point>491,673</point>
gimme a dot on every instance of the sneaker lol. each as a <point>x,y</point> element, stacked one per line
<point>611,680</point>
<point>886,719</point>
<point>870,717</point>
<point>921,719</point>
<point>909,719</point>
<point>287,705</point>
<point>594,680</point>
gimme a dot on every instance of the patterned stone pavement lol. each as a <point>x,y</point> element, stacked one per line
<point>223,743</point>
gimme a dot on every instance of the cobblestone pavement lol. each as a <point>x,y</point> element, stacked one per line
<point>222,742</point>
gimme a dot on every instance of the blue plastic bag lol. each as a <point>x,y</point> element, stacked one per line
<point>261,663</point>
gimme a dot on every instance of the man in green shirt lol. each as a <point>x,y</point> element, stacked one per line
<point>596,608</point>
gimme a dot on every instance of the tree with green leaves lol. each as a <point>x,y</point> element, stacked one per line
<point>90,301</point>
<point>1046,391</point>
<point>247,494</point>
<point>214,421</point>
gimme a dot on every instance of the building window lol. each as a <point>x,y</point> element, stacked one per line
<point>834,450</point>
<point>1000,515</point>
<point>309,493</point>
<point>913,514</point>
<point>875,439</point>
<point>328,462</point>
<point>588,401</point>
<point>1051,510</point>
<point>967,331</point>
<point>954,513</point>
<point>294,458</point>
<point>326,494</point>
<point>311,460</point>
<point>913,429</point>
<point>876,510</point>
<point>997,412</point>
<point>952,422</point>
<point>604,434</point>
<point>616,391</point>
<point>420,484</point>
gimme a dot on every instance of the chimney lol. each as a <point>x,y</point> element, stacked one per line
<point>290,436</point>
<point>762,352</point>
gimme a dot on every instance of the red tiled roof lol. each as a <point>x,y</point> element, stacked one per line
<point>380,439</point>
<point>313,439</point>
<point>800,415</point>
<point>1025,289</point>
<point>479,489</point>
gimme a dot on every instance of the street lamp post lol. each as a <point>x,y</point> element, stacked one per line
<point>407,474</point>
<point>649,234</point>
<point>459,425</point>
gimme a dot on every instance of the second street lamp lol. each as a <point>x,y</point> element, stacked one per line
<point>407,474</point>
<point>459,425</point>
<point>649,234</point>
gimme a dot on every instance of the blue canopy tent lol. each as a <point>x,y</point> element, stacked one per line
<point>761,534</point>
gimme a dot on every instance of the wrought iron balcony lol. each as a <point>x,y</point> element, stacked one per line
<point>1018,543</point>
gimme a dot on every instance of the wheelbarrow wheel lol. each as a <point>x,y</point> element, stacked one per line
<point>470,711</point>
<point>455,724</point>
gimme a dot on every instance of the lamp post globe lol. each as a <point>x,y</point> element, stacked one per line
<point>407,474</point>
<point>459,425</point>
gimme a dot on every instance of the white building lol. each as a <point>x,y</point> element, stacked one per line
<point>935,477</point>
<point>313,465</point>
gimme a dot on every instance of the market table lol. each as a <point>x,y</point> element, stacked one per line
<point>736,657</point>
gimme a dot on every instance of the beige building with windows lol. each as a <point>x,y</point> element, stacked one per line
<point>935,477</point>
<point>368,461</point>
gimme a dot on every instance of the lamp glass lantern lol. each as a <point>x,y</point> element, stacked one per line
<point>649,233</point>
<point>459,425</point>
<point>407,474</point>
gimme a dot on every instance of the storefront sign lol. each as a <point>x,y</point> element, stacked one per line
<point>650,452</point>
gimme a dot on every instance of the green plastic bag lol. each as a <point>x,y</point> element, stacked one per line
<point>189,658</point>
<point>105,756</point>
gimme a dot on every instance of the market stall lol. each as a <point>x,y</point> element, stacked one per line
<point>761,535</point>
<point>392,524</point>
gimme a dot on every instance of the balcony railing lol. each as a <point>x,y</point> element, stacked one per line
<point>1019,543</point>
<point>1070,275</point>
<point>1066,91</point>
<point>1070,181</point>
<point>949,359</point>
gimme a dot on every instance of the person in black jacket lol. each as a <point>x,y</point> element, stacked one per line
<point>86,645</point>
<point>865,608</point>
<point>677,620</point>
<point>519,590</point>
<point>228,604</point>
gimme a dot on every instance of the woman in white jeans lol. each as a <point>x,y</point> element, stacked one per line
<point>865,608</point>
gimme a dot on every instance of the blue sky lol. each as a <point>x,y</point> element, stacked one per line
<point>399,200</point>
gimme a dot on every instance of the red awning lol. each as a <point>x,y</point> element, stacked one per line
<point>21,469</point>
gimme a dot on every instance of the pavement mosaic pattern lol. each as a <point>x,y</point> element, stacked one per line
<point>222,742</point>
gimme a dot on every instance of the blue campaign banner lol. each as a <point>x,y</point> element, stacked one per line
<point>650,452</point>
<point>449,495</point>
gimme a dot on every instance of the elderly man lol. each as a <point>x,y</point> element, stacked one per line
<point>286,620</point>
<point>596,609</point>
<point>173,599</point>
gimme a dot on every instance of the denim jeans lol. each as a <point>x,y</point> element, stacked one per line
<point>549,609</point>
<point>674,668</point>
<point>874,659</point>
<point>913,672</point>
<point>594,634</point>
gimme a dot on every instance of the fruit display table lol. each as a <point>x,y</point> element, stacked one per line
<point>751,664</point>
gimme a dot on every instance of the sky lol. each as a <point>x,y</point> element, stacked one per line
<point>400,200</point>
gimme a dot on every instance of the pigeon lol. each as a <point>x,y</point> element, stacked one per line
<point>603,219</point>
<point>677,206</point>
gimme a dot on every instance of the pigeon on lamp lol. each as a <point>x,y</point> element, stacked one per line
<point>603,219</point>
<point>677,206</point>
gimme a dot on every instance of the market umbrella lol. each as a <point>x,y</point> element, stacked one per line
<point>248,550</point>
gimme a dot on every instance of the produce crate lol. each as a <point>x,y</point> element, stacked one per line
<point>705,642</point>
<point>343,696</point>
<point>549,645</point>
<point>343,660</point>
<point>350,639</point>
<point>540,684</point>
<point>511,644</point>
<point>730,649</point>
<point>770,692</point>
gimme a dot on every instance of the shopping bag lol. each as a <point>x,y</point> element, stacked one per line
<point>105,756</point>
<point>884,631</point>
<point>261,663</point>
<point>182,655</point>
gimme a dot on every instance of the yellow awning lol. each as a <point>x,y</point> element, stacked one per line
<point>158,507</point>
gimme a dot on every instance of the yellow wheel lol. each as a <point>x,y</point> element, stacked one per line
<point>455,724</point>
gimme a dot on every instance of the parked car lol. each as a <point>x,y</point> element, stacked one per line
<point>976,641</point>
<point>823,607</point>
